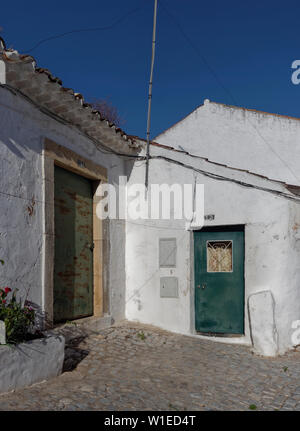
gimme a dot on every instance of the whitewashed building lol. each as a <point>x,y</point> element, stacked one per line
<point>55,150</point>
<point>238,278</point>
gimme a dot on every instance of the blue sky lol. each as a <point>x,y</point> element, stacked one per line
<point>236,53</point>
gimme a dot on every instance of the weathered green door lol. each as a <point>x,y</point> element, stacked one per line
<point>73,266</point>
<point>219,281</point>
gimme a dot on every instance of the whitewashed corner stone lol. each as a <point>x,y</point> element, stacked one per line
<point>2,332</point>
<point>264,334</point>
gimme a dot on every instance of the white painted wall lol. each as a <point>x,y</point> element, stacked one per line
<point>272,252</point>
<point>272,224</point>
<point>259,142</point>
<point>23,129</point>
<point>31,362</point>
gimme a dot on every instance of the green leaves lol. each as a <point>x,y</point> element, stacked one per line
<point>252,407</point>
<point>141,336</point>
<point>18,318</point>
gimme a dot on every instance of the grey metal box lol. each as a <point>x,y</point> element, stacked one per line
<point>169,287</point>
<point>167,252</point>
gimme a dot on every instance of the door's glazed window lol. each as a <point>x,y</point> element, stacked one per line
<point>219,256</point>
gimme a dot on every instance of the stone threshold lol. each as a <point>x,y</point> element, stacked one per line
<point>81,327</point>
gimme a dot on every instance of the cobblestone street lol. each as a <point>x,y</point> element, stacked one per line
<point>138,367</point>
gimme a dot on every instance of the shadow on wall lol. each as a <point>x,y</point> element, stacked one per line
<point>14,148</point>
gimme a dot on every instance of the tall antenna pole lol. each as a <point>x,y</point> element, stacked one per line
<point>150,94</point>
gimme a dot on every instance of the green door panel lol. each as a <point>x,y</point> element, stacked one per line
<point>219,281</point>
<point>73,265</point>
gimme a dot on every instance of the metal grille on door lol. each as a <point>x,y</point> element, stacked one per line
<point>219,256</point>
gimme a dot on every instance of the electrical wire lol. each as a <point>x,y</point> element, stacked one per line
<point>198,52</point>
<point>215,75</point>
<point>205,159</point>
<point>99,146</point>
<point>106,150</point>
<point>195,48</point>
<point>84,30</point>
<point>223,178</point>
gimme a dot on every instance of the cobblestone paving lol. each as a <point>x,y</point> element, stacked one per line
<point>138,367</point>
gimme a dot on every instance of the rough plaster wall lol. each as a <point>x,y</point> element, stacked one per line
<point>240,138</point>
<point>22,132</point>
<point>267,252</point>
<point>20,228</point>
<point>31,362</point>
<point>117,270</point>
<point>143,302</point>
<point>288,308</point>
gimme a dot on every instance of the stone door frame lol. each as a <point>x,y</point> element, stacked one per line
<point>54,154</point>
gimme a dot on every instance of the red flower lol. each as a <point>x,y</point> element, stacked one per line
<point>3,301</point>
<point>7,290</point>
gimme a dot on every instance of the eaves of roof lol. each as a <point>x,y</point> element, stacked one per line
<point>47,91</point>
<point>241,108</point>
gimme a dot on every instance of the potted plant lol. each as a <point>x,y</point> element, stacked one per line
<point>18,319</point>
<point>29,356</point>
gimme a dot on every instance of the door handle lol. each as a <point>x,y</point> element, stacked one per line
<point>204,286</point>
<point>91,246</point>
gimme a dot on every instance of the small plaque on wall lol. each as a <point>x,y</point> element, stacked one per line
<point>167,252</point>
<point>169,287</point>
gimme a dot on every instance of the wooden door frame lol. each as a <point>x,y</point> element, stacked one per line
<point>218,228</point>
<point>54,154</point>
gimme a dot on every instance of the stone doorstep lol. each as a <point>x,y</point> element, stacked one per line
<point>31,362</point>
<point>81,327</point>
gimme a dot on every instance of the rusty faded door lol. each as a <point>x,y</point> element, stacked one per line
<point>73,265</point>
